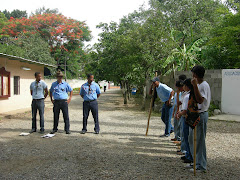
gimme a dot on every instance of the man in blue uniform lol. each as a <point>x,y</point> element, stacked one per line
<point>90,91</point>
<point>165,94</point>
<point>59,92</point>
<point>39,92</point>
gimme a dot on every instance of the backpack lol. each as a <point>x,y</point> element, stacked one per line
<point>193,117</point>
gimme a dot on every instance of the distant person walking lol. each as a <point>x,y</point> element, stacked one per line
<point>90,91</point>
<point>39,92</point>
<point>165,94</point>
<point>59,97</point>
<point>105,87</point>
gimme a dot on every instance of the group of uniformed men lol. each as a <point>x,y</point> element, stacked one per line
<point>59,90</point>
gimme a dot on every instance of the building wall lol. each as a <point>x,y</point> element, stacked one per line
<point>213,77</point>
<point>230,91</point>
<point>74,83</point>
<point>23,100</point>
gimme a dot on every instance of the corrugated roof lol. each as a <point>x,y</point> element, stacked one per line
<point>11,57</point>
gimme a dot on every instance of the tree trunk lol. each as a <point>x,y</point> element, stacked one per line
<point>144,98</point>
<point>125,92</point>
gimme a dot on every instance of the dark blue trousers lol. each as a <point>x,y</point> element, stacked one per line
<point>38,105</point>
<point>93,106</point>
<point>61,105</point>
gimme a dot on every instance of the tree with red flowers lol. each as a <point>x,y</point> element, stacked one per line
<point>65,36</point>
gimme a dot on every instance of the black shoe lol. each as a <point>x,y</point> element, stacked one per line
<point>32,131</point>
<point>41,132</point>
<point>96,132</point>
<point>68,132</point>
<point>83,132</point>
<point>183,157</point>
<point>53,131</point>
<point>187,161</point>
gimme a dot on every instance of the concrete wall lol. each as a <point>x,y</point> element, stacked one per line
<point>230,91</point>
<point>22,101</point>
<point>213,77</point>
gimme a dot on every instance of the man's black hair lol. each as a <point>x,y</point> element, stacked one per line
<point>199,71</point>
<point>179,83</point>
<point>36,74</point>
<point>182,77</point>
<point>188,83</point>
<point>89,75</point>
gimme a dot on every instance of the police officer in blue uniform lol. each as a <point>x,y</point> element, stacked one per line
<point>90,91</point>
<point>59,92</point>
<point>39,92</point>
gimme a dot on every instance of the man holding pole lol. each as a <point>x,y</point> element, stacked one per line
<point>165,94</point>
<point>203,97</point>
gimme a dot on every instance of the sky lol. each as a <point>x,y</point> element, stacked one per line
<point>91,11</point>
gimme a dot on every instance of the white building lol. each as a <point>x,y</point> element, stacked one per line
<point>16,75</point>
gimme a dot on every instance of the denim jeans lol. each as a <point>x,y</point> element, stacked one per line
<point>38,105</point>
<point>167,112</point>
<point>188,154</point>
<point>182,121</point>
<point>201,155</point>
<point>93,106</point>
<point>177,128</point>
<point>61,105</point>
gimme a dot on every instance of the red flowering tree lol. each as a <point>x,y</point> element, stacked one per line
<point>65,36</point>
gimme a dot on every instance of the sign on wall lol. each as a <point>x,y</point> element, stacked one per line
<point>230,91</point>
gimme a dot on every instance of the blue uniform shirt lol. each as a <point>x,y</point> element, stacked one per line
<point>60,90</point>
<point>90,94</point>
<point>37,89</point>
<point>164,92</point>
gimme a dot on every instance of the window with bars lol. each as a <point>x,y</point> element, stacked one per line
<point>16,85</point>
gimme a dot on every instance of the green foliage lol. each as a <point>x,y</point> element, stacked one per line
<point>16,13</point>
<point>223,49</point>
<point>30,46</point>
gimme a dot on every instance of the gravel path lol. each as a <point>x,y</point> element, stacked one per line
<point>120,151</point>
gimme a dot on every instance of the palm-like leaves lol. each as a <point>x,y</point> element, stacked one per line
<point>186,57</point>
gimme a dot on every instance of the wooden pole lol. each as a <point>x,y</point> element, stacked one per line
<point>195,150</point>
<point>150,109</point>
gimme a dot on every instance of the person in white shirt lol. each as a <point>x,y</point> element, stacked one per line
<point>203,97</point>
<point>182,114</point>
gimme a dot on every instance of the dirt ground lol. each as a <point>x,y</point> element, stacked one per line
<point>120,151</point>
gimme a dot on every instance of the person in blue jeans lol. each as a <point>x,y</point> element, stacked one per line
<point>165,94</point>
<point>182,114</point>
<point>177,122</point>
<point>203,97</point>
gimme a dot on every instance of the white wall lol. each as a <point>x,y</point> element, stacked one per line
<point>74,83</point>
<point>231,91</point>
<point>24,99</point>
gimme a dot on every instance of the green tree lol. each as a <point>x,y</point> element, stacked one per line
<point>16,13</point>
<point>223,48</point>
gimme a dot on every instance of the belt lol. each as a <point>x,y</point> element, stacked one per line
<point>38,99</point>
<point>60,99</point>
<point>202,112</point>
<point>90,100</point>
